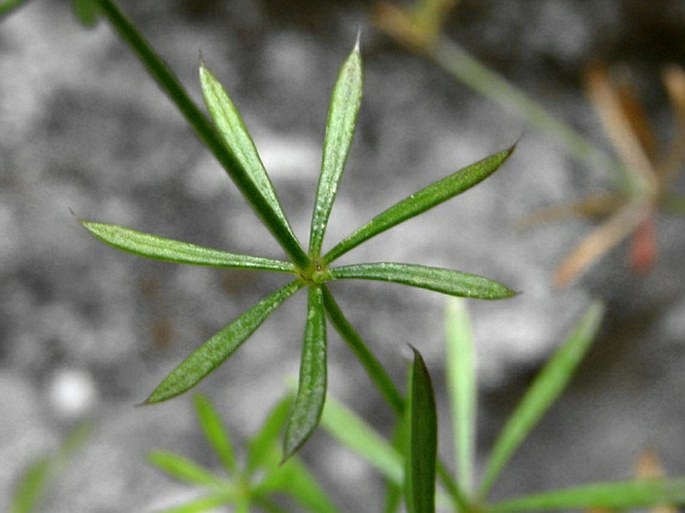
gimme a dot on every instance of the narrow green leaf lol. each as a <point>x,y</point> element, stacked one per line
<point>454,283</point>
<point>237,138</point>
<point>208,503</point>
<point>185,470</point>
<point>545,389</point>
<point>620,496</point>
<point>9,5</point>
<point>215,432</point>
<point>354,433</point>
<point>371,364</point>
<point>293,479</point>
<point>172,87</point>
<point>421,201</point>
<point>422,422</point>
<point>86,11</point>
<point>179,252</point>
<point>223,344</point>
<point>460,367</point>
<point>311,393</point>
<point>32,486</point>
<point>262,449</point>
<point>342,118</point>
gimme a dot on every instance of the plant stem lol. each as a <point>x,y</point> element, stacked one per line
<point>172,87</point>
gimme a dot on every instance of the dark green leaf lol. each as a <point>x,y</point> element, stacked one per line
<point>236,137</point>
<point>342,118</point>
<point>8,6</point>
<point>420,201</point>
<point>223,344</point>
<point>311,393</point>
<point>454,283</point>
<point>611,496</point>
<point>179,252</point>
<point>215,432</point>
<point>422,423</point>
<point>185,470</point>
<point>547,386</point>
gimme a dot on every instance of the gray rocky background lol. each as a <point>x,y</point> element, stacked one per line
<point>87,332</point>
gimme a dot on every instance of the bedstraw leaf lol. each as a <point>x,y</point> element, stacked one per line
<point>185,470</point>
<point>236,136</point>
<point>311,393</point>
<point>601,496</point>
<point>425,199</point>
<point>422,422</point>
<point>179,252</point>
<point>215,432</point>
<point>342,118</point>
<point>447,281</point>
<point>223,344</point>
<point>547,386</point>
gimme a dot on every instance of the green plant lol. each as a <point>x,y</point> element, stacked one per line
<point>230,141</point>
<point>346,427</point>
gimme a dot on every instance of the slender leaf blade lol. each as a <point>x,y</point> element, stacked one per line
<point>30,490</point>
<point>262,448</point>
<point>185,470</point>
<point>237,138</point>
<point>545,389</point>
<point>215,432</point>
<point>611,496</point>
<point>421,456</point>
<point>219,347</point>
<point>354,433</point>
<point>7,6</point>
<point>461,384</point>
<point>342,118</point>
<point>311,393</point>
<point>421,201</point>
<point>446,281</point>
<point>178,252</point>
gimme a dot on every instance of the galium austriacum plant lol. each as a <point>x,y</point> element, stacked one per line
<point>309,269</point>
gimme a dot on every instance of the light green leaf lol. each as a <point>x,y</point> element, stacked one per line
<point>620,496</point>
<point>454,283</point>
<point>185,470</point>
<point>342,118</point>
<point>547,386</point>
<point>32,486</point>
<point>215,432</point>
<point>236,137</point>
<point>422,422</point>
<point>209,503</point>
<point>354,433</point>
<point>263,450</point>
<point>460,368</point>
<point>311,393</point>
<point>425,199</point>
<point>223,344</point>
<point>179,252</point>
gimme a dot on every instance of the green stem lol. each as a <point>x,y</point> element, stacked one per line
<point>204,129</point>
<point>466,68</point>
<point>385,385</point>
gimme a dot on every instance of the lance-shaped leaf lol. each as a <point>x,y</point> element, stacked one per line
<point>425,199</point>
<point>262,449</point>
<point>311,393</point>
<point>179,252</point>
<point>185,470</point>
<point>542,393</point>
<point>236,136</point>
<point>342,118</point>
<point>602,496</point>
<point>223,344</point>
<point>215,432</point>
<point>422,422</point>
<point>454,283</point>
